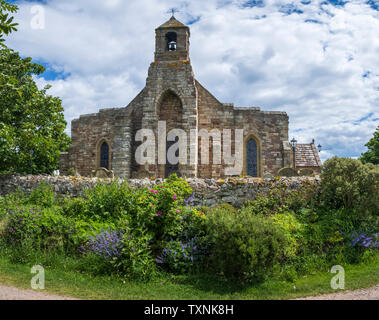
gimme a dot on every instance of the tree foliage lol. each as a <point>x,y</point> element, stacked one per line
<point>31,122</point>
<point>6,21</point>
<point>372,154</point>
<point>347,183</point>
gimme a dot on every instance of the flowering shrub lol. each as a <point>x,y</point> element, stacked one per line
<point>158,210</point>
<point>136,259</point>
<point>107,244</point>
<point>119,252</point>
<point>129,231</point>
<point>47,228</point>
<point>179,256</point>
<point>363,240</point>
<point>42,226</point>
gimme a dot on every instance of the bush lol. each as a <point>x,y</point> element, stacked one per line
<point>287,172</point>
<point>42,195</point>
<point>280,199</point>
<point>306,172</point>
<point>115,229</point>
<point>347,183</point>
<point>104,202</point>
<point>106,244</point>
<point>44,228</point>
<point>292,229</point>
<point>244,245</point>
<point>117,251</point>
<point>76,208</point>
<point>156,210</point>
<point>180,256</point>
<point>48,229</point>
<point>327,235</point>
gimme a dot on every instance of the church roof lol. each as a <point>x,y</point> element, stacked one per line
<point>172,23</point>
<point>306,155</point>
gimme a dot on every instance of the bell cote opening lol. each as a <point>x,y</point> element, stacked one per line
<point>171,41</point>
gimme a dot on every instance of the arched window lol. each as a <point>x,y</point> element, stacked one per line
<point>251,158</point>
<point>171,41</point>
<point>104,155</point>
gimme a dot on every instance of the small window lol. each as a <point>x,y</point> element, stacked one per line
<point>252,158</point>
<point>171,41</point>
<point>104,155</point>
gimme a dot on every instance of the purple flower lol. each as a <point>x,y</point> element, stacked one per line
<point>107,244</point>
<point>363,240</point>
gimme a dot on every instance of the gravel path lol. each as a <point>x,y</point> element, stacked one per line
<point>360,294</point>
<point>11,293</point>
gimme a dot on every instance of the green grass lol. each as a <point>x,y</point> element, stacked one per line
<point>62,280</point>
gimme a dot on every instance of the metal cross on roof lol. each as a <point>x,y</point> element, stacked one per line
<point>173,11</point>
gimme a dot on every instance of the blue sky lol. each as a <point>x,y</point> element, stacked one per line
<point>316,60</point>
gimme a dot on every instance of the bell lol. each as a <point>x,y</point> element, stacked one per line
<point>172,46</point>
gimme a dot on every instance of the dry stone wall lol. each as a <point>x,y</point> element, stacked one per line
<point>206,191</point>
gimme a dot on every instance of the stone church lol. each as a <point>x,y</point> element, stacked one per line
<point>107,140</point>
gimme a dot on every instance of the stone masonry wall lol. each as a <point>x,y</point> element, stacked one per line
<point>206,191</point>
<point>86,132</point>
<point>269,129</point>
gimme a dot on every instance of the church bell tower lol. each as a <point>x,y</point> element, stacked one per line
<point>170,96</point>
<point>172,41</point>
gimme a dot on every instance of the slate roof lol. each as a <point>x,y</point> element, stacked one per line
<point>306,155</point>
<point>172,23</point>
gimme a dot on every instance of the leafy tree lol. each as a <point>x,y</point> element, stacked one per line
<point>372,154</point>
<point>31,122</point>
<point>6,22</point>
<point>347,183</point>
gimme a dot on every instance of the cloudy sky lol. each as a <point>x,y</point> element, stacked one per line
<point>316,60</point>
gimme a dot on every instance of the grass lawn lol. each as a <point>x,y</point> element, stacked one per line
<point>63,280</point>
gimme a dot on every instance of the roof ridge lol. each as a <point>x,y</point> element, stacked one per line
<point>172,23</point>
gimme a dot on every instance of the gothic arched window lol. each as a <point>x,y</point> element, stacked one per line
<point>252,158</point>
<point>104,155</point>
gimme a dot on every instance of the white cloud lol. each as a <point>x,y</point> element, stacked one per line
<point>252,56</point>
